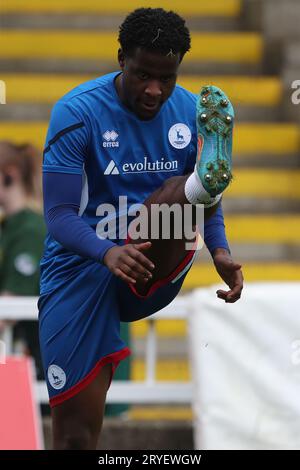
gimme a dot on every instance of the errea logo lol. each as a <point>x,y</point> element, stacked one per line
<point>110,139</point>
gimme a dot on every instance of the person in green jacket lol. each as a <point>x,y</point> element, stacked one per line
<point>22,233</point>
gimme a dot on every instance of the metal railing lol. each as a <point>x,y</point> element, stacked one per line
<point>148,391</point>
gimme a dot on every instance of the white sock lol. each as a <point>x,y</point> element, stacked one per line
<point>197,194</point>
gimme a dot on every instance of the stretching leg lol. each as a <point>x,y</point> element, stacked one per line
<point>167,254</point>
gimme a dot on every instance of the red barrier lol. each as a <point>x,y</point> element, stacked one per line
<point>20,423</point>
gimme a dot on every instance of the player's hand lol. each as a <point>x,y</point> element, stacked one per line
<point>129,263</point>
<point>231,274</point>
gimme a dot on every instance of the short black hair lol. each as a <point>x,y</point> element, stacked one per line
<point>155,30</point>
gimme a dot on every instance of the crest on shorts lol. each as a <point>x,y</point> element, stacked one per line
<point>56,376</point>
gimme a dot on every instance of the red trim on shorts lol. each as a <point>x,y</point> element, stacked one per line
<point>114,358</point>
<point>161,282</point>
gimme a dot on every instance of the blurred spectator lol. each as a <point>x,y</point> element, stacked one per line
<point>21,245</point>
<point>21,236</point>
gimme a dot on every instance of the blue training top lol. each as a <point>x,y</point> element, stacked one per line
<point>98,150</point>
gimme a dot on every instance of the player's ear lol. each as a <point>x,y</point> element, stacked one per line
<point>121,58</point>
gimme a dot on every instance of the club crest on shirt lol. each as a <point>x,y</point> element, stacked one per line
<point>179,136</point>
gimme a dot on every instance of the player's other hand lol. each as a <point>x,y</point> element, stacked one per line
<point>231,274</point>
<point>129,262</point>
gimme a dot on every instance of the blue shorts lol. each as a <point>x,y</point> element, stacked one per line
<point>79,324</point>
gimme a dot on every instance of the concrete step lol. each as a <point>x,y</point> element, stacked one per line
<point>291,110</point>
<point>263,229</point>
<point>99,67</point>
<point>287,14</point>
<point>290,74</point>
<point>291,81</point>
<point>261,183</point>
<point>245,48</point>
<point>122,434</point>
<point>266,161</point>
<point>251,15</point>
<point>262,139</point>
<point>292,53</point>
<point>41,112</point>
<point>204,274</point>
<point>166,330</point>
<point>175,347</point>
<point>263,205</point>
<point>167,369</point>
<point>100,22</point>
<point>259,91</point>
<point>227,8</point>
<point>257,252</point>
<point>169,413</point>
<point>255,98</point>
<point>269,139</point>
<point>251,91</point>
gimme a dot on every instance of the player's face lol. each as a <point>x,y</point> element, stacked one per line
<point>147,81</point>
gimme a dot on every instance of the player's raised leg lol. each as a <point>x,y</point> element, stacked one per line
<point>211,176</point>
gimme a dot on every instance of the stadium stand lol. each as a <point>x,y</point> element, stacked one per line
<point>52,46</point>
